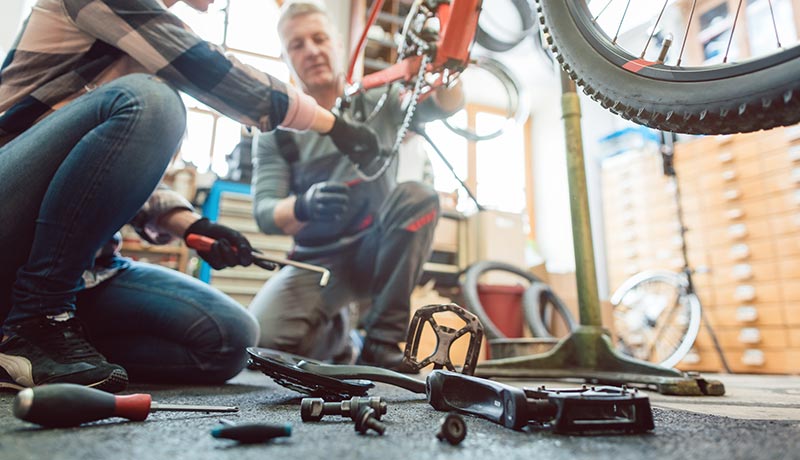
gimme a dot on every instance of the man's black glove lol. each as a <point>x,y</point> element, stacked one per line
<point>230,249</point>
<point>356,140</point>
<point>323,201</point>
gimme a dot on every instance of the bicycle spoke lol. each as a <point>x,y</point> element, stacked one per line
<point>655,27</point>
<point>774,24</point>
<point>602,11</point>
<point>733,29</point>
<point>622,19</point>
<point>686,33</point>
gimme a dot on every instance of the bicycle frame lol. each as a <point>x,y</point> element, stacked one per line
<point>458,21</point>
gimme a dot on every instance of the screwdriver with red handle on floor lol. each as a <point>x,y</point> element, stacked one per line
<point>66,405</point>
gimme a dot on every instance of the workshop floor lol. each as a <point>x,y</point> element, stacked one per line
<point>759,418</point>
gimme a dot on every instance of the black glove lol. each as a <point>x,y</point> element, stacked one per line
<point>356,140</point>
<point>230,249</point>
<point>323,201</point>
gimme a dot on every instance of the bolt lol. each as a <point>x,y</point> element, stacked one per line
<point>313,409</point>
<point>453,429</point>
<point>365,421</point>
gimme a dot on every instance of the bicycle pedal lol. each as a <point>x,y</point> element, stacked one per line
<point>589,409</point>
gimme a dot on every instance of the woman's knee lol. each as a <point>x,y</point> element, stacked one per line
<point>163,114</point>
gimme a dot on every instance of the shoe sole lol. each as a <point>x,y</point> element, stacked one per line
<point>114,383</point>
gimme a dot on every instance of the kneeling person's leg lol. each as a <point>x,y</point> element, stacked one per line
<point>165,326</point>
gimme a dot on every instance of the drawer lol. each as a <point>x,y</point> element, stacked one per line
<point>746,294</point>
<point>756,314</point>
<point>789,268</point>
<point>745,272</point>
<point>786,223</point>
<point>794,338</point>
<point>701,361</point>
<point>782,181</point>
<point>793,361</point>
<point>791,290</point>
<point>748,251</point>
<point>789,245</point>
<point>780,160</point>
<point>757,360</point>
<point>741,211</point>
<point>785,202</point>
<point>791,314</point>
<point>736,232</point>
<point>445,235</point>
<point>740,338</point>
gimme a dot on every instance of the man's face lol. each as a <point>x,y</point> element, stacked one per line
<point>311,50</point>
<point>199,5</point>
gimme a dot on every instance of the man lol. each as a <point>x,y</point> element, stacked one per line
<point>374,236</point>
<point>89,120</point>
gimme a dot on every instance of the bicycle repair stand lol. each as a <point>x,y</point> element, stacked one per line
<point>588,353</point>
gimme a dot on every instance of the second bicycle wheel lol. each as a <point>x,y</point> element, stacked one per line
<point>655,318</point>
<point>732,96</point>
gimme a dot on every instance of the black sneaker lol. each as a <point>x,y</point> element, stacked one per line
<point>383,354</point>
<point>47,350</point>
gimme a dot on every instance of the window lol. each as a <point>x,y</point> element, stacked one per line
<point>498,171</point>
<point>250,36</point>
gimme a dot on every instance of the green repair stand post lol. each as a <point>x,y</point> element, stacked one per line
<point>588,353</point>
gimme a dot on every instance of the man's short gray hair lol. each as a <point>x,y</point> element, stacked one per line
<point>293,9</point>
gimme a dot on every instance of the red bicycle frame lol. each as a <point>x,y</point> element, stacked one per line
<point>458,21</point>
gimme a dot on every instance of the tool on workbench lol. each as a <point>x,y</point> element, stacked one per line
<point>579,410</point>
<point>313,409</point>
<point>453,430</point>
<point>204,243</point>
<point>67,404</point>
<point>366,420</point>
<point>251,433</point>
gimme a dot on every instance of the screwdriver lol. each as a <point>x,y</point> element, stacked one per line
<point>67,404</point>
<point>204,243</point>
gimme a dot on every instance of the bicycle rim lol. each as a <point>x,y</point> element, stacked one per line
<point>752,94</point>
<point>655,318</point>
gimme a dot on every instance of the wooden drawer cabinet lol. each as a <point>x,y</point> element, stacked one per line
<point>741,201</point>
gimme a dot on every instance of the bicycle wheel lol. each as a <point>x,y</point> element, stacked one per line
<point>655,317</point>
<point>757,93</point>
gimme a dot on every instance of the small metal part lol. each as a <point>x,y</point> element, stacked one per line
<point>192,408</point>
<point>313,409</point>
<point>250,433</point>
<point>453,430</point>
<point>365,421</point>
<point>445,337</point>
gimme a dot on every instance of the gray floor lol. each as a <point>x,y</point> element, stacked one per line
<point>758,419</point>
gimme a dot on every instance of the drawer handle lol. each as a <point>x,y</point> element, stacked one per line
<point>728,175</point>
<point>794,153</point>
<point>742,272</point>
<point>745,293</point>
<point>737,231</point>
<point>739,251</point>
<point>746,314</point>
<point>725,157</point>
<point>731,194</point>
<point>749,335</point>
<point>735,213</point>
<point>753,358</point>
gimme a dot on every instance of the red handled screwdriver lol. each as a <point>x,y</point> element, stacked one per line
<point>67,404</point>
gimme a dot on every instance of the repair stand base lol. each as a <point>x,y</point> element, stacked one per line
<point>588,354</point>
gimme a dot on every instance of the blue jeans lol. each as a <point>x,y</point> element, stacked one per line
<point>165,326</point>
<point>68,184</point>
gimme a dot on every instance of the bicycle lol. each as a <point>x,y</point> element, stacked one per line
<point>657,314</point>
<point>658,91</point>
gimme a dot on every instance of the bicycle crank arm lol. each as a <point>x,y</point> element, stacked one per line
<point>357,372</point>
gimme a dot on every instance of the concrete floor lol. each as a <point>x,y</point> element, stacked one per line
<point>759,418</point>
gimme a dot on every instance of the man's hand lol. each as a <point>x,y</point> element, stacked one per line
<point>356,140</point>
<point>323,201</point>
<point>230,249</point>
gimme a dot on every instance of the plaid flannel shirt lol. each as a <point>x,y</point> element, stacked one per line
<point>67,46</point>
